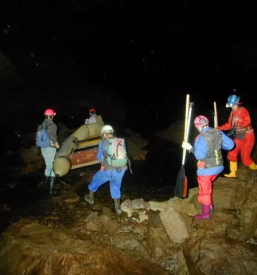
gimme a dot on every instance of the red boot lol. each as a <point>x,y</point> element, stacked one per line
<point>211,205</point>
<point>205,213</point>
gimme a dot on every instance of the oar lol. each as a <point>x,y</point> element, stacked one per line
<point>215,114</point>
<point>185,126</point>
<point>181,178</point>
<point>185,189</point>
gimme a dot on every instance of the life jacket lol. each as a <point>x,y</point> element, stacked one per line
<point>213,139</point>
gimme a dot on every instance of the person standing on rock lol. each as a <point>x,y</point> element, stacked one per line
<point>49,151</point>
<point>107,171</point>
<point>94,118</point>
<point>207,150</point>
<point>241,130</point>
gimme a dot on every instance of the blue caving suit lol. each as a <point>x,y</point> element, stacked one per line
<point>107,174</point>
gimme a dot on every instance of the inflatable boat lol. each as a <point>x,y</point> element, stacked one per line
<point>79,149</point>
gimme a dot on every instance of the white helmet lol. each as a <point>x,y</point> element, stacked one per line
<point>107,129</point>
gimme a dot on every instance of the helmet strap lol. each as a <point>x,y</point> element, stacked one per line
<point>201,128</point>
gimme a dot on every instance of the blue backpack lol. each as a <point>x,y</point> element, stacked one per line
<point>115,152</point>
<point>42,138</point>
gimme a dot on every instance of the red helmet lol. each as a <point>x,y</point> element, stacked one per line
<point>92,110</point>
<point>201,121</point>
<point>49,112</point>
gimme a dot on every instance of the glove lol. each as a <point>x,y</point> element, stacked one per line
<point>187,146</point>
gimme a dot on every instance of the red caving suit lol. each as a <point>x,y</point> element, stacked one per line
<point>241,120</point>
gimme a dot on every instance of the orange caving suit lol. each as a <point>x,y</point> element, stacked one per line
<point>244,139</point>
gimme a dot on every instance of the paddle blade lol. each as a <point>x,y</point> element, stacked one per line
<point>180,183</point>
<point>185,188</point>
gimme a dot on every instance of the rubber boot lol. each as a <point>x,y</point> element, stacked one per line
<point>211,207</point>
<point>52,186</point>
<point>253,166</point>
<point>233,170</point>
<point>117,206</point>
<point>46,182</point>
<point>90,197</point>
<point>205,213</point>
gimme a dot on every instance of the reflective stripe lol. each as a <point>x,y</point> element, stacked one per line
<point>217,157</point>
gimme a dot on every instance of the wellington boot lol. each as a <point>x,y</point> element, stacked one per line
<point>253,166</point>
<point>90,197</point>
<point>52,190</point>
<point>205,213</point>
<point>117,206</point>
<point>211,205</point>
<point>233,170</point>
<point>44,184</point>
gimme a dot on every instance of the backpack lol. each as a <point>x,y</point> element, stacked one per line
<point>42,138</point>
<point>115,152</point>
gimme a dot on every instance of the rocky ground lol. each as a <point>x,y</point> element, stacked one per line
<point>149,237</point>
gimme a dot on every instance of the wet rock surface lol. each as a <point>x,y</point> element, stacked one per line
<point>43,250</point>
<point>149,237</point>
<point>154,234</point>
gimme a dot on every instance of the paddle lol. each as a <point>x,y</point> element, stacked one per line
<point>185,189</point>
<point>181,183</point>
<point>215,114</point>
